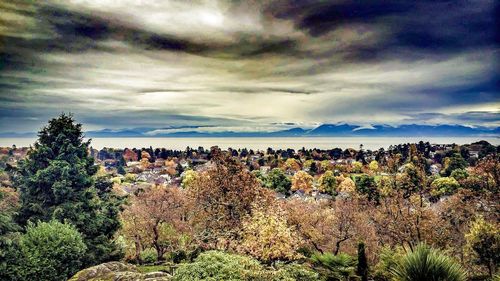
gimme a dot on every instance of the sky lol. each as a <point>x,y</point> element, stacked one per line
<point>248,65</point>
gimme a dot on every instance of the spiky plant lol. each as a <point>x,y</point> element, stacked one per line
<point>334,267</point>
<point>427,264</point>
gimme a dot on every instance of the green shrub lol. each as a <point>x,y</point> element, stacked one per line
<point>219,266</point>
<point>51,251</point>
<point>295,271</point>
<point>427,264</point>
<point>178,256</point>
<point>214,265</point>
<point>149,255</point>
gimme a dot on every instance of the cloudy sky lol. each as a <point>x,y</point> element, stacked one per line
<point>248,65</point>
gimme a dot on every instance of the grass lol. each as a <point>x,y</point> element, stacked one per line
<point>152,268</point>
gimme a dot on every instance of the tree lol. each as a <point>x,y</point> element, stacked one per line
<point>278,181</point>
<point>373,166</point>
<point>268,238</point>
<point>388,260</point>
<point>425,263</point>
<point>349,224</point>
<point>328,183</point>
<point>156,218</point>
<point>51,251</point>
<point>456,161</point>
<point>483,244</point>
<point>459,174</point>
<point>302,181</point>
<point>10,258</point>
<point>221,197</point>
<point>313,222</point>
<point>404,221</point>
<point>357,166</point>
<point>188,178</point>
<point>444,186</point>
<point>57,181</point>
<point>347,185</point>
<point>313,169</point>
<point>365,185</point>
<point>362,267</point>
<point>291,164</point>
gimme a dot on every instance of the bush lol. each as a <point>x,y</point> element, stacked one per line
<point>149,255</point>
<point>219,266</point>
<point>214,265</point>
<point>295,271</point>
<point>178,256</point>
<point>425,263</point>
<point>51,251</point>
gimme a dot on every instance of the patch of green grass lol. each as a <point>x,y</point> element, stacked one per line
<point>152,268</point>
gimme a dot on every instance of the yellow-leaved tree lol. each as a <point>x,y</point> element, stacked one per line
<point>268,238</point>
<point>302,181</point>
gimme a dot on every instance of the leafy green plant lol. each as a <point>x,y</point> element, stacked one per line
<point>149,255</point>
<point>51,251</point>
<point>214,265</point>
<point>427,264</point>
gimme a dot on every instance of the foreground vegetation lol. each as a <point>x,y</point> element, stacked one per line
<point>390,219</point>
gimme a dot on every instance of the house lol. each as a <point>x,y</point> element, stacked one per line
<point>184,164</point>
<point>434,169</point>
<point>265,169</point>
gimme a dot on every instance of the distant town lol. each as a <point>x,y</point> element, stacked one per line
<point>135,169</point>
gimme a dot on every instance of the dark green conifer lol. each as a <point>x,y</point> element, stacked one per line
<point>57,181</point>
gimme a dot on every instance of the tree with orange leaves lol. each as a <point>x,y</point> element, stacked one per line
<point>221,197</point>
<point>158,218</point>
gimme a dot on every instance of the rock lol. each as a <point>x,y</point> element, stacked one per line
<point>118,271</point>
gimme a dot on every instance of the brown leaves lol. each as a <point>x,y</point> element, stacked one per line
<point>221,197</point>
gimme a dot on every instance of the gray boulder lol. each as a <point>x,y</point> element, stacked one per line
<point>118,271</point>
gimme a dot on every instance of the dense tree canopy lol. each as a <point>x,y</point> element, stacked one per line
<point>57,181</point>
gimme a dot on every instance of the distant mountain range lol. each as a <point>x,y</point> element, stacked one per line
<point>325,130</point>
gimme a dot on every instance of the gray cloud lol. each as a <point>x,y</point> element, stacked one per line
<point>246,64</point>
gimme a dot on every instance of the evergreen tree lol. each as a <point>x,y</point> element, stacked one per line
<point>362,269</point>
<point>278,181</point>
<point>57,181</point>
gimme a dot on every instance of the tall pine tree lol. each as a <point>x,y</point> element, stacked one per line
<point>57,181</point>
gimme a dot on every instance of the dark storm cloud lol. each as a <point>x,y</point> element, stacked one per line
<point>436,25</point>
